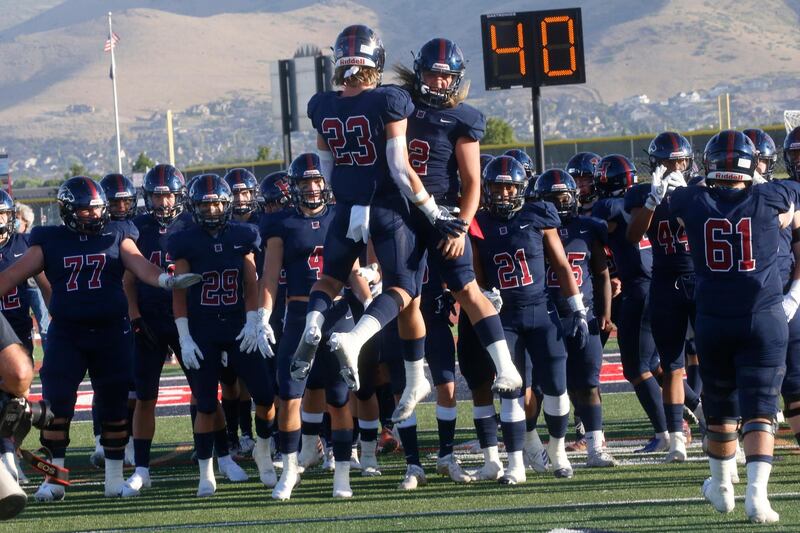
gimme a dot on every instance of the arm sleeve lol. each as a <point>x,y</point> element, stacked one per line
<point>398,164</point>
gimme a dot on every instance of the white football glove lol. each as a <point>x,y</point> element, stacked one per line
<point>266,336</point>
<point>359,223</point>
<point>791,300</point>
<point>190,353</point>
<point>758,179</point>
<point>249,333</point>
<point>674,180</point>
<point>494,298</point>
<point>369,273</point>
<point>658,189</point>
<point>376,289</point>
<point>178,281</point>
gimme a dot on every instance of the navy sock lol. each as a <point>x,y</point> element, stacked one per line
<point>246,417</point>
<point>265,428</point>
<point>556,425</point>
<point>591,415</point>
<point>204,444</point>
<point>326,429</point>
<point>354,437</point>
<point>288,441</point>
<point>384,308</point>
<point>649,394</point>
<point>319,301</point>
<point>408,436</point>
<point>385,404</point>
<point>513,435</point>
<point>693,378</point>
<point>131,409</point>
<point>489,330</point>
<point>413,350</point>
<point>758,458</point>
<point>97,426</point>
<point>690,398</point>
<point>221,442</point>
<point>368,434</point>
<point>447,434</point>
<point>486,429</point>
<point>674,415</point>
<point>530,424</point>
<point>342,444</point>
<point>114,455</point>
<point>230,409</point>
<point>311,428</point>
<point>141,452</point>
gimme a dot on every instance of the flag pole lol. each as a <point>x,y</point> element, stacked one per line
<point>114,86</point>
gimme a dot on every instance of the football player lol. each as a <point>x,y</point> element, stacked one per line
<point>741,333</point>
<point>614,175</point>
<point>582,167</point>
<point>296,246</point>
<point>214,316</point>
<point>122,196</point>
<point>672,305</point>
<point>84,261</point>
<point>584,239</point>
<point>512,242</point>
<point>362,146</point>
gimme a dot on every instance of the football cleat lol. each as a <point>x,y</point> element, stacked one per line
<point>369,462</point>
<point>346,350</point>
<point>341,481</point>
<point>387,442</point>
<point>232,471</point>
<point>654,445</point>
<point>758,509</point>
<point>719,495</point>
<point>354,462</point>
<point>246,444</point>
<point>490,471</point>
<point>562,468</point>
<point>415,477</point>
<point>448,466</point>
<point>513,478</point>
<point>98,457</point>
<point>538,461</point>
<point>303,356</point>
<point>310,454</point>
<point>601,459</point>
<point>508,381</point>
<point>328,461</point>
<point>415,391</point>
<point>129,460</point>
<point>290,478</point>
<point>262,455</point>
<point>49,492</point>
<point>139,480</point>
<point>578,446</point>
<point>677,448</point>
<point>206,487</point>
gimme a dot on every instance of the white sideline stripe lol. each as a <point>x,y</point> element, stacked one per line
<point>450,512</point>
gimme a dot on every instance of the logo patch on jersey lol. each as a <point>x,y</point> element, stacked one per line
<point>162,230</point>
<point>83,238</point>
<point>420,113</point>
<point>564,232</point>
<point>503,230</point>
<point>315,224</point>
<point>218,248</point>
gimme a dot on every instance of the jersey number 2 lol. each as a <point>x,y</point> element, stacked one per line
<point>335,132</point>
<point>505,269</point>
<point>220,288</point>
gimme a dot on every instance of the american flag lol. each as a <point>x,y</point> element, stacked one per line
<point>111,42</point>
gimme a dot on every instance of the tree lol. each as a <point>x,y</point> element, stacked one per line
<point>498,131</point>
<point>264,153</point>
<point>142,163</point>
<point>75,169</point>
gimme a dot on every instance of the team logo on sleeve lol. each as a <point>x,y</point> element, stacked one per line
<point>218,248</point>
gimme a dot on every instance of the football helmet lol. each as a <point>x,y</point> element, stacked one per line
<point>614,175</point>
<point>306,167</point>
<point>670,146</point>
<point>241,180</point>
<point>766,149</point>
<point>581,167</point>
<point>359,46</point>
<point>7,207</point>
<point>525,160</point>
<point>161,180</point>
<point>274,191</point>
<point>485,159</point>
<point>729,156</point>
<point>504,170</point>
<point>791,153</point>
<point>187,204</point>
<point>78,193</point>
<point>206,191</point>
<point>121,195</point>
<point>441,56</point>
<point>559,188</point>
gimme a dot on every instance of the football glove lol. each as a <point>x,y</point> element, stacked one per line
<point>758,179</point>
<point>190,353</point>
<point>144,334</point>
<point>674,180</point>
<point>578,327</point>
<point>359,223</point>
<point>249,333</point>
<point>791,300</point>
<point>447,224</point>
<point>658,188</point>
<point>369,273</point>
<point>266,336</point>
<point>494,298</point>
<point>178,281</point>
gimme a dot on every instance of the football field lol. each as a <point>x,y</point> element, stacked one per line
<point>640,494</point>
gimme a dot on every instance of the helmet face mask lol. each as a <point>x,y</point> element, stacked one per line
<point>121,195</point>
<point>7,227</point>
<point>557,187</point>
<point>504,186</point>
<point>309,187</point>
<point>121,208</point>
<point>614,175</point>
<point>767,152</point>
<point>524,159</point>
<point>581,167</point>
<point>274,192</point>
<point>438,58</point>
<point>82,205</point>
<point>791,153</point>
<point>160,182</point>
<point>211,202</point>
<point>672,150</point>
<point>243,185</point>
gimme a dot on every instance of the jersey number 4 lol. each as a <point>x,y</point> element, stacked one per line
<point>75,264</point>
<point>670,241</point>
<point>335,132</point>
<point>719,250</point>
<point>315,262</point>
<point>506,268</point>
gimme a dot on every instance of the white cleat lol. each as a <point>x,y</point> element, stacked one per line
<point>369,465</point>
<point>413,393</point>
<point>49,492</point>
<point>448,466</point>
<point>246,444</point>
<point>677,448</point>
<point>310,455</point>
<point>415,477</point>
<point>513,477</point>
<point>262,455</point>
<point>139,480</point>
<point>206,488</point>
<point>355,464</point>
<point>347,349</point>
<point>231,470</point>
<point>538,461</point>
<point>290,478</point>
<point>341,481</point>
<point>562,468</point>
<point>98,457</point>
<point>759,511</point>
<point>114,480</point>
<point>507,381</point>
<point>328,461</point>
<point>490,471</point>
<point>129,459</point>
<point>303,356</point>
<point>600,459</point>
<point>719,495</point>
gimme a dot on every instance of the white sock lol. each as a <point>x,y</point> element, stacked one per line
<point>143,471</point>
<point>515,461</point>
<point>415,372</point>
<point>113,470</point>
<point>594,442</point>
<point>366,327</point>
<point>500,355</point>
<point>206,467</point>
<point>663,436</point>
<point>224,460</point>
<point>491,455</point>
<point>758,477</point>
<point>533,442</point>
<point>314,319</point>
<point>721,469</point>
<point>368,447</point>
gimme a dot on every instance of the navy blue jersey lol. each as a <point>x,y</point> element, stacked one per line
<point>84,271</point>
<point>152,243</point>
<point>670,247</point>
<point>355,130</point>
<point>15,304</point>
<point>220,260</point>
<point>632,261</point>
<point>303,239</point>
<point>255,219</point>
<point>577,236</point>
<point>785,254</point>
<point>733,237</point>
<point>512,252</point>
<point>126,227</point>
<point>432,135</point>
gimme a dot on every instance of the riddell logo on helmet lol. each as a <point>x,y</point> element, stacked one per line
<point>350,61</point>
<point>440,66</point>
<point>727,176</point>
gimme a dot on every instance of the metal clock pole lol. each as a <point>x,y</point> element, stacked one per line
<point>538,144</point>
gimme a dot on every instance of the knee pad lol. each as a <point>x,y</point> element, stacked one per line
<point>114,442</point>
<point>751,426</point>
<point>556,405</point>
